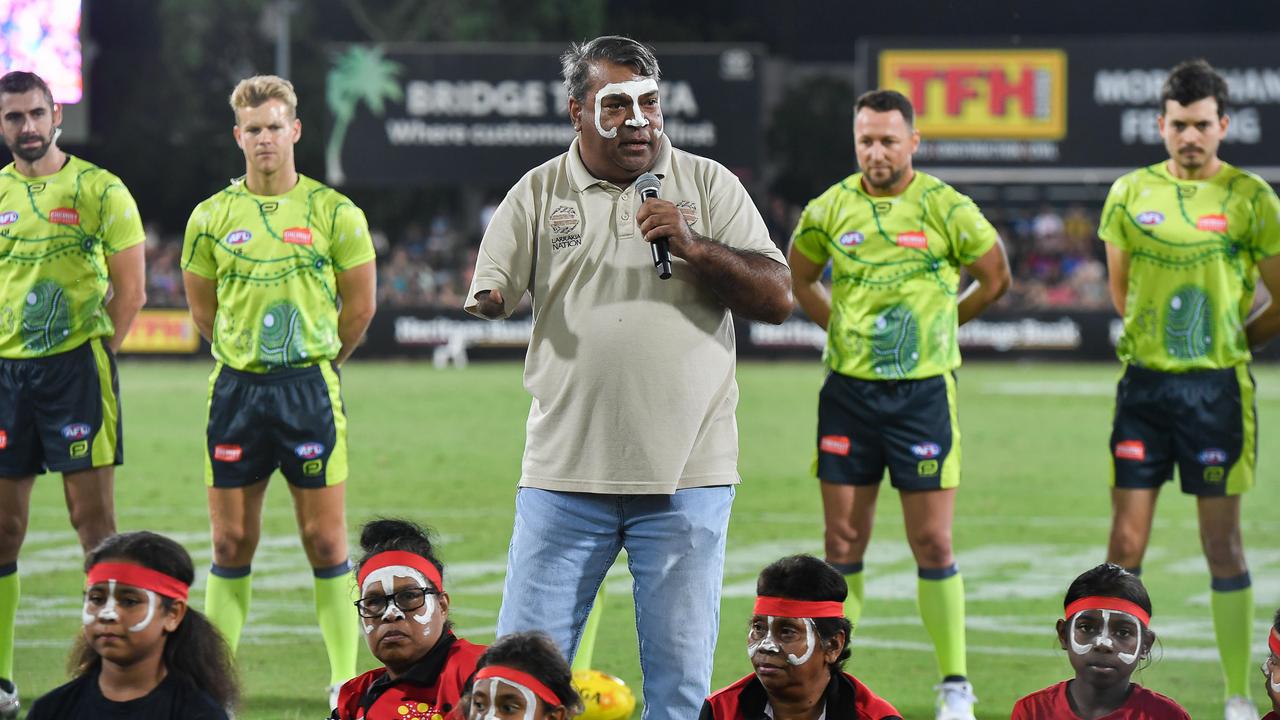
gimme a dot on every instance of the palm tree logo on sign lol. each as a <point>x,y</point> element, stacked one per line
<point>360,75</point>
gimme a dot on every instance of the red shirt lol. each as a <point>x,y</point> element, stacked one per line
<point>846,699</point>
<point>1051,703</point>
<point>428,690</point>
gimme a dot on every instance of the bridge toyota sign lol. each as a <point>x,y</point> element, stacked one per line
<point>1072,103</point>
<point>489,113</point>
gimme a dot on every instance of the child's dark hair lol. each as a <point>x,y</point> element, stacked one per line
<point>534,653</point>
<point>1276,623</point>
<point>1193,80</point>
<point>196,650</point>
<point>805,577</point>
<point>1109,580</point>
<point>386,534</point>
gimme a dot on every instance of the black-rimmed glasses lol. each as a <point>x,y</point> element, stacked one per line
<point>409,599</point>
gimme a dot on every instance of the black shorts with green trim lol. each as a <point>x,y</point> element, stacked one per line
<point>60,412</point>
<point>1204,422</point>
<point>908,426</point>
<point>290,419</point>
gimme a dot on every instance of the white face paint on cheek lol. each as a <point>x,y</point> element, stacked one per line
<point>808,639</point>
<point>152,601</point>
<point>1104,637</point>
<point>428,612</point>
<point>633,89</point>
<point>492,714</point>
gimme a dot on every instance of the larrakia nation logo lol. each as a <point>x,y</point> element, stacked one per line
<point>564,220</point>
<point>689,210</point>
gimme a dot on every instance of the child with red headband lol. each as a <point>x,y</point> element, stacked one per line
<point>523,676</point>
<point>798,643</point>
<point>144,654</point>
<point>1105,629</point>
<point>404,613</point>
<point>1271,669</point>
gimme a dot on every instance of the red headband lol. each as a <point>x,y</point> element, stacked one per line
<point>1273,642</point>
<point>511,674</point>
<point>781,607</point>
<point>407,559</point>
<point>1107,603</point>
<point>139,577</point>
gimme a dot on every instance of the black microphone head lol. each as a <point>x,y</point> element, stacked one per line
<point>647,185</point>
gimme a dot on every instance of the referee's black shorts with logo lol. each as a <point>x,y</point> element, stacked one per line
<point>910,427</point>
<point>1204,422</point>
<point>60,412</point>
<point>291,419</point>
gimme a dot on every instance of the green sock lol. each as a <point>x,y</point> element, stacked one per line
<point>854,601</point>
<point>940,592</point>
<point>9,590</point>
<point>226,601</point>
<point>335,591</point>
<point>587,646</point>
<point>1232,604</point>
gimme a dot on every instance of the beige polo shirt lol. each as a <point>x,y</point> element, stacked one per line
<point>632,377</point>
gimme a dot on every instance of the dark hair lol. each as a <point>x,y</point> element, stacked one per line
<point>196,650</point>
<point>386,534</point>
<point>20,81</point>
<point>886,101</point>
<point>1192,80</point>
<point>1109,580</point>
<point>1276,623</point>
<point>534,653</point>
<point>805,577</point>
<point>576,62</point>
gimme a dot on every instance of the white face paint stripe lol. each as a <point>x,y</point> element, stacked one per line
<point>769,644</point>
<point>633,89</point>
<point>108,611</point>
<point>1104,638</point>
<point>530,700</point>
<point>152,601</point>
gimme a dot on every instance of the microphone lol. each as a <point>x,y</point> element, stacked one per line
<point>647,186</point>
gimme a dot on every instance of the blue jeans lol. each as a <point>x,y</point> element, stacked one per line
<point>564,543</point>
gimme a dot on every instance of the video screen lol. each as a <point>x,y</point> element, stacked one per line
<point>43,36</point>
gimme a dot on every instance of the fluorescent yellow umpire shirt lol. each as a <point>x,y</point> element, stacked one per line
<point>632,377</point>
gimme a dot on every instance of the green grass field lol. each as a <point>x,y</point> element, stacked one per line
<point>443,447</point>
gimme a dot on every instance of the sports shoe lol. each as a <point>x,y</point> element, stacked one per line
<point>8,702</point>
<point>1239,707</point>
<point>333,696</point>
<point>955,700</point>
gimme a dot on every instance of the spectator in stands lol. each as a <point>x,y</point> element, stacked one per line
<point>798,643</point>
<point>1105,631</point>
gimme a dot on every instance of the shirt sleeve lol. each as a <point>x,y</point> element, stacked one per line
<point>734,219</point>
<point>972,235</point>
<point>505,259</point>
<point>1266,213</point>
<point>1111,226</point>
<point>811,235</point>
<point>197,246</point>
<point>121,225</point>
<point>351,244</point>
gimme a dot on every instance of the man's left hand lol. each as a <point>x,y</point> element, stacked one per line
<point>659,219</point>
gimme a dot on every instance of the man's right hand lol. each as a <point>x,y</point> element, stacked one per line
<point>489,303</point>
